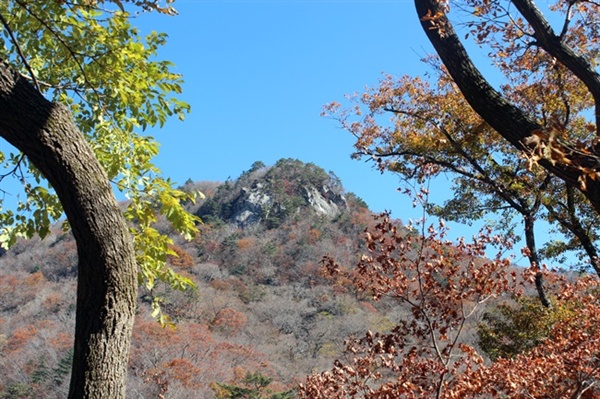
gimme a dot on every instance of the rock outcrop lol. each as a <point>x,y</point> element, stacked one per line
<point>255,205</point>
<point>324,201</point>
<point>251,206</point>
<point>270,195</point>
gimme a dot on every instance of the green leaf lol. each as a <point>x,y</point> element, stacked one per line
<point>93,61</point>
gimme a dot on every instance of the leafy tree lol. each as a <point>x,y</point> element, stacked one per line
<point>511,329</point>
<point>523,39</point>
<point>431,133</point>
<point>17,391</point>
<point>256,166</point>
<point>550,74</point>
<point>42,372</point>
<point>63,367</point>
<point>254,386</point>
<point>78,84</point>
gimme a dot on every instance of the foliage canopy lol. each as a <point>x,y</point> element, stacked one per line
<point>527,148</point>
<point>88,56</point>
<point>422,127</point>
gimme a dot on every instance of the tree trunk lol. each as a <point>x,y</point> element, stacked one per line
<point>534,259</point>
<point>107,273</point>
<point>508,120</point>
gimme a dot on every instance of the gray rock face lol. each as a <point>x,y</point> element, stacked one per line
<point>251,206</point>
<point>324,201</point>
<point>255,204</point>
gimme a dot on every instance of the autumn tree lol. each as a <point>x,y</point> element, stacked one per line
<point>424,127</point>
<point>428,354</point>
<point>430,134</point>
<point>564,363</point>
<point>552,85</point>
<point>527,48</point>
<point>78,85</point>
<point>442,285</point>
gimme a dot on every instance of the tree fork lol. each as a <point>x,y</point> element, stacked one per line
<point>107,273</point>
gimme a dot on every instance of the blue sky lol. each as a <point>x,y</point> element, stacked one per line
<point>258,73</point>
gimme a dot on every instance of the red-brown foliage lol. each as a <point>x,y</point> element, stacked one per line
<point>20,337</point>
<point>425,355</point>
<point>229,321</point>
<point>442,285</point>
<point>182,259</point>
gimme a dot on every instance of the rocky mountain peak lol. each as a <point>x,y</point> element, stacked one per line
<point>269,195</point>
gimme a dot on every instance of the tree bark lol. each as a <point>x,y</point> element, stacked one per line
<point>508,120</point>
<point>107,272</point>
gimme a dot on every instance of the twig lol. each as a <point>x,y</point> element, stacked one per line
<point>20,51</point>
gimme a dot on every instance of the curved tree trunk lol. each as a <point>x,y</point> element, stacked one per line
<point>107,282</point>
<point>508,120</point>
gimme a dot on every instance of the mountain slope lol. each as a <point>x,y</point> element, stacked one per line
<point>262,303</point>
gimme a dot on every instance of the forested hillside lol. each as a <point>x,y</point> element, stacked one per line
<point>293,288</point>
<point>295,275</point>
<point>262,305</point>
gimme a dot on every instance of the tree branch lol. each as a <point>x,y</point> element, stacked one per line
<point>571,164</point>
<point>549,41</point>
